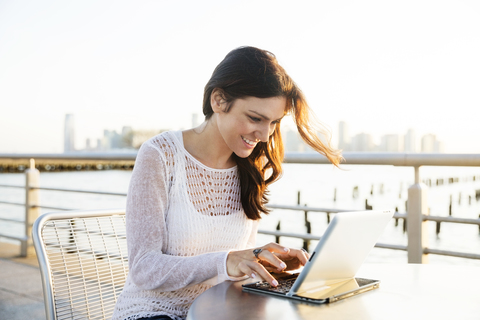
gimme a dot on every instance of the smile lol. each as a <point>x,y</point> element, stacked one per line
<point>249,142</point>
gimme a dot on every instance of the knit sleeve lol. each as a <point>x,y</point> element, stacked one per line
<point>253,235</point>
<point>147,202</point>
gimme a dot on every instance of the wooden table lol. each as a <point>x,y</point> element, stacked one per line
<point>407,291</point>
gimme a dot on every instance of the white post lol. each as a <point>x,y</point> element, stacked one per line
<point>417,231</point>
<point>32,202</point>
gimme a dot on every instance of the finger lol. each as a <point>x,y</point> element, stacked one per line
<point>270,269</point>
<point>294,259</point>
<point>245,269</point>
<point>253,268</point>
<point>262,272</point>
<point>301,255</point>
<point>272,259</point>
<point>305,252</point>
<point>275,247</point>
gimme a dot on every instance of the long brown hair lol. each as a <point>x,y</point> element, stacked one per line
<point>249,71</point>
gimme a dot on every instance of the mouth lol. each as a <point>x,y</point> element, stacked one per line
<point>249,142</point>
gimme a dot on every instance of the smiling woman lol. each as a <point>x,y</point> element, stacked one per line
<point>196,196</point>
<point>251,80</point>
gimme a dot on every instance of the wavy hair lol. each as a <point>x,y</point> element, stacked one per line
<point>249,71</point>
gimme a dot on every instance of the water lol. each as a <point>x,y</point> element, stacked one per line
<point>390,190</point>
<point>384,187</point>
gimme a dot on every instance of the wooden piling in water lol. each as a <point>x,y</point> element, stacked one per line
<point>450,206</point>
<point>277,238</point>
<point>355,192</point>
<point>437,229</point>
<point>396,219</point>
<point>367,206</point>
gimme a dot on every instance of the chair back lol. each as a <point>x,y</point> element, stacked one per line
<point>83,261</point>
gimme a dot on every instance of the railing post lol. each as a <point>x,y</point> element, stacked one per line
<point>32,202</point>
<point>417,207</point>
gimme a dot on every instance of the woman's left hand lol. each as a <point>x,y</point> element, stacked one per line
<point>294,259</point>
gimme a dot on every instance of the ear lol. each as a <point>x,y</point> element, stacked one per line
<point>217,100</point>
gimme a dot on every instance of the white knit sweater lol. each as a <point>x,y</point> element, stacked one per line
<point>182,220</point>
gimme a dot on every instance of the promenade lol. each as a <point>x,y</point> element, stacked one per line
<point>21,295</point>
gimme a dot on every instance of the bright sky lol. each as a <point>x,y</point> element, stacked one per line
<point>381,66</point>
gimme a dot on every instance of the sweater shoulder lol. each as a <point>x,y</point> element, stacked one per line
<point>165,144</point>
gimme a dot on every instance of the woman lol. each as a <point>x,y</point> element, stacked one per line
<point>196,197</point>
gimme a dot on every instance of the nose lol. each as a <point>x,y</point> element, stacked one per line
<point>264,132</point>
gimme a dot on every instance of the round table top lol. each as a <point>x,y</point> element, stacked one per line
<point>407,291</point>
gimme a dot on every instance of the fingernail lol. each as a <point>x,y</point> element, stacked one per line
<point>253,275</point>
<point>283,265</point>
<point>275,283</point>
<point>285,249</point>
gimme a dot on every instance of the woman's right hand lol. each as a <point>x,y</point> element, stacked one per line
<point>244,262</point>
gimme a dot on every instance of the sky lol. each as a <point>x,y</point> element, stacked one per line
<point>383,67</point>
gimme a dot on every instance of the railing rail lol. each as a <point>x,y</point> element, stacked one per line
<point>366,158</point>
<point>392,158</point>
<point>84,191</point>
<point>417,211</point>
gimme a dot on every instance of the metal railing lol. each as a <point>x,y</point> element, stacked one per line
<point>417,209</point>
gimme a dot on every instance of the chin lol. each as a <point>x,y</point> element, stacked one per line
<point>243,154</point>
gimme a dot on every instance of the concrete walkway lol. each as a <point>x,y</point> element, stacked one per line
<point>21,295</point>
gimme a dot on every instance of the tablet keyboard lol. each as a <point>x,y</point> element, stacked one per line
<point>284,285</point>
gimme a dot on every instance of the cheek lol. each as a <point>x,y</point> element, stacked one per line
<point>242,127</point>
<point>234,126</point>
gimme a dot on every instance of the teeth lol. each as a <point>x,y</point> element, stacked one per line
<point>252,143</point>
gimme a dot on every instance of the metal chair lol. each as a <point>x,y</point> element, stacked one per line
<point>83,262</point>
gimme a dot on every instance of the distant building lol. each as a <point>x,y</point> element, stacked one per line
<point>391,143</point>
<point>126,141</point>
<point>69,134</point>
<point>293,142</point>
<point>109,140</point>
<point>343,136</point>
<point>113,140</point>
<point>410,141</point>
<point>88,144</point>
<point>362,142</point>
<point>430,144</point>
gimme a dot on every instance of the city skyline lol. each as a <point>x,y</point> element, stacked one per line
<point>381,66</point>
<point>390,142</point>
<point>366,142</point>
<point>129,138</point>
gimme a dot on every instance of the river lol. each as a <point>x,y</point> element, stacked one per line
<point>384,187</point>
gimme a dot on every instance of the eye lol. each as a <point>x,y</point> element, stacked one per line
<point>255,119</point>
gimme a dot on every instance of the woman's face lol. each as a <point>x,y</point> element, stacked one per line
<point>249,121</point>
